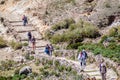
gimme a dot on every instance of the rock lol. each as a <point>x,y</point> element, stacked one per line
<point>25,70</point>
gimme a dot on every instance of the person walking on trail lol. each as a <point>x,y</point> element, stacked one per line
<point>29,36</point>
<point>33,43</point>
<point>51,49</point>
<point>47,49</point>
<point>82,58</point>
<point>103,70</point>
<point>25,20</point>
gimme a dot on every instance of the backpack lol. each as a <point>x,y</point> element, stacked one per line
<point>86,56</point>
<point>29,34</point>
<point>103,69</point>
<point>33,40</point>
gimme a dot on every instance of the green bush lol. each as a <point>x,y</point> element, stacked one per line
<point>63,24</point>
<point>61,68</point>
<point>48,34</point>
<point>74,45</point>
<point>25,44</point>
<point>3,43</point>
<point>107,5</point>
<point>110,52</point>
<point>112,46</point>
<point>76,33</point>
<point>113,32</point>
<point>103,38</point>
<point>15,45</point>
<point>57,38</point>
<point>57,63</point>
<point>7,65</point>
<point>37,62</point>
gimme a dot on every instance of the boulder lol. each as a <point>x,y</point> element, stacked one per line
<point>25,70</point>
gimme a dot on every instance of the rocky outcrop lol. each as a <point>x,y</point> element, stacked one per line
<point>25,70</point>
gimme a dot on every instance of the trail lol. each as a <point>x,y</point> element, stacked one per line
<point>21,31</point>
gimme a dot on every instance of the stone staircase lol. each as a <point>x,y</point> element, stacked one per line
<point>21,35</point>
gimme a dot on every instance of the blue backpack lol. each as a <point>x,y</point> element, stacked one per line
<point>86,56</point>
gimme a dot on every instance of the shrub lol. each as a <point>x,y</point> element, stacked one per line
<point>37,62</point>
<point>112,46</point>
<point>74,45</point>
<point>57,38</point>
<point>107,5</point>
<point>113,32</point>
<point>63,24</point>
<point>61,68</point>
<point>7,65</point>
<point>103,38</point>
<point>15,45</point>
<point>76,33</point>
<point>16,71</point>
<point>48,34</point>
<point>25,44</point>
<point>69,68</point>
<point>45,73</point>
<point>3,43</point>
<point>57,63</point>
<point>110,52</point>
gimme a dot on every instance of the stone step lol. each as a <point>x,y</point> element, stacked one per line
<point>20,25</point>
<point>39,43</point>
<point>15,21</point>
<point>97,73</point>
<point>24,36</point>
<point>23,28</point>
<point>25,31</point>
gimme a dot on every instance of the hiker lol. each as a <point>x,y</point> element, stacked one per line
<point>103,70</point>
<point>25,21</point>
<point>33,42</point>
<point>82,58</point>
<point>47,49</point>
<point>29,36</point>
<point>51,49</point>
<point>93,78</point>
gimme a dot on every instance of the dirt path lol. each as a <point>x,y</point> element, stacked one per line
<point>91,70</point>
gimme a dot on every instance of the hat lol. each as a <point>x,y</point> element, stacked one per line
<point>83,50</point>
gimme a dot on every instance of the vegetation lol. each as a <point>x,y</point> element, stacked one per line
<point>16,45</point>
<point>112,51</point>
<point>7,65</point>
<point>63,24</point>
<point>3,43</point>
<point>76,32</point>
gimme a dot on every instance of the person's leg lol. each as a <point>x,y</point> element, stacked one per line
<point>24,23</point>
<point>33,46</point>
<point>102,75</point>
<point>51,52</point>
<point>84,64</point>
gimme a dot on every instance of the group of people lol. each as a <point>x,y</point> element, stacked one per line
<point>31,39</point>
<point>49,49</point>
<point>82,57</point>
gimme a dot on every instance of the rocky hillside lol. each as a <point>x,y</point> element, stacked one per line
<point>70,25</point>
